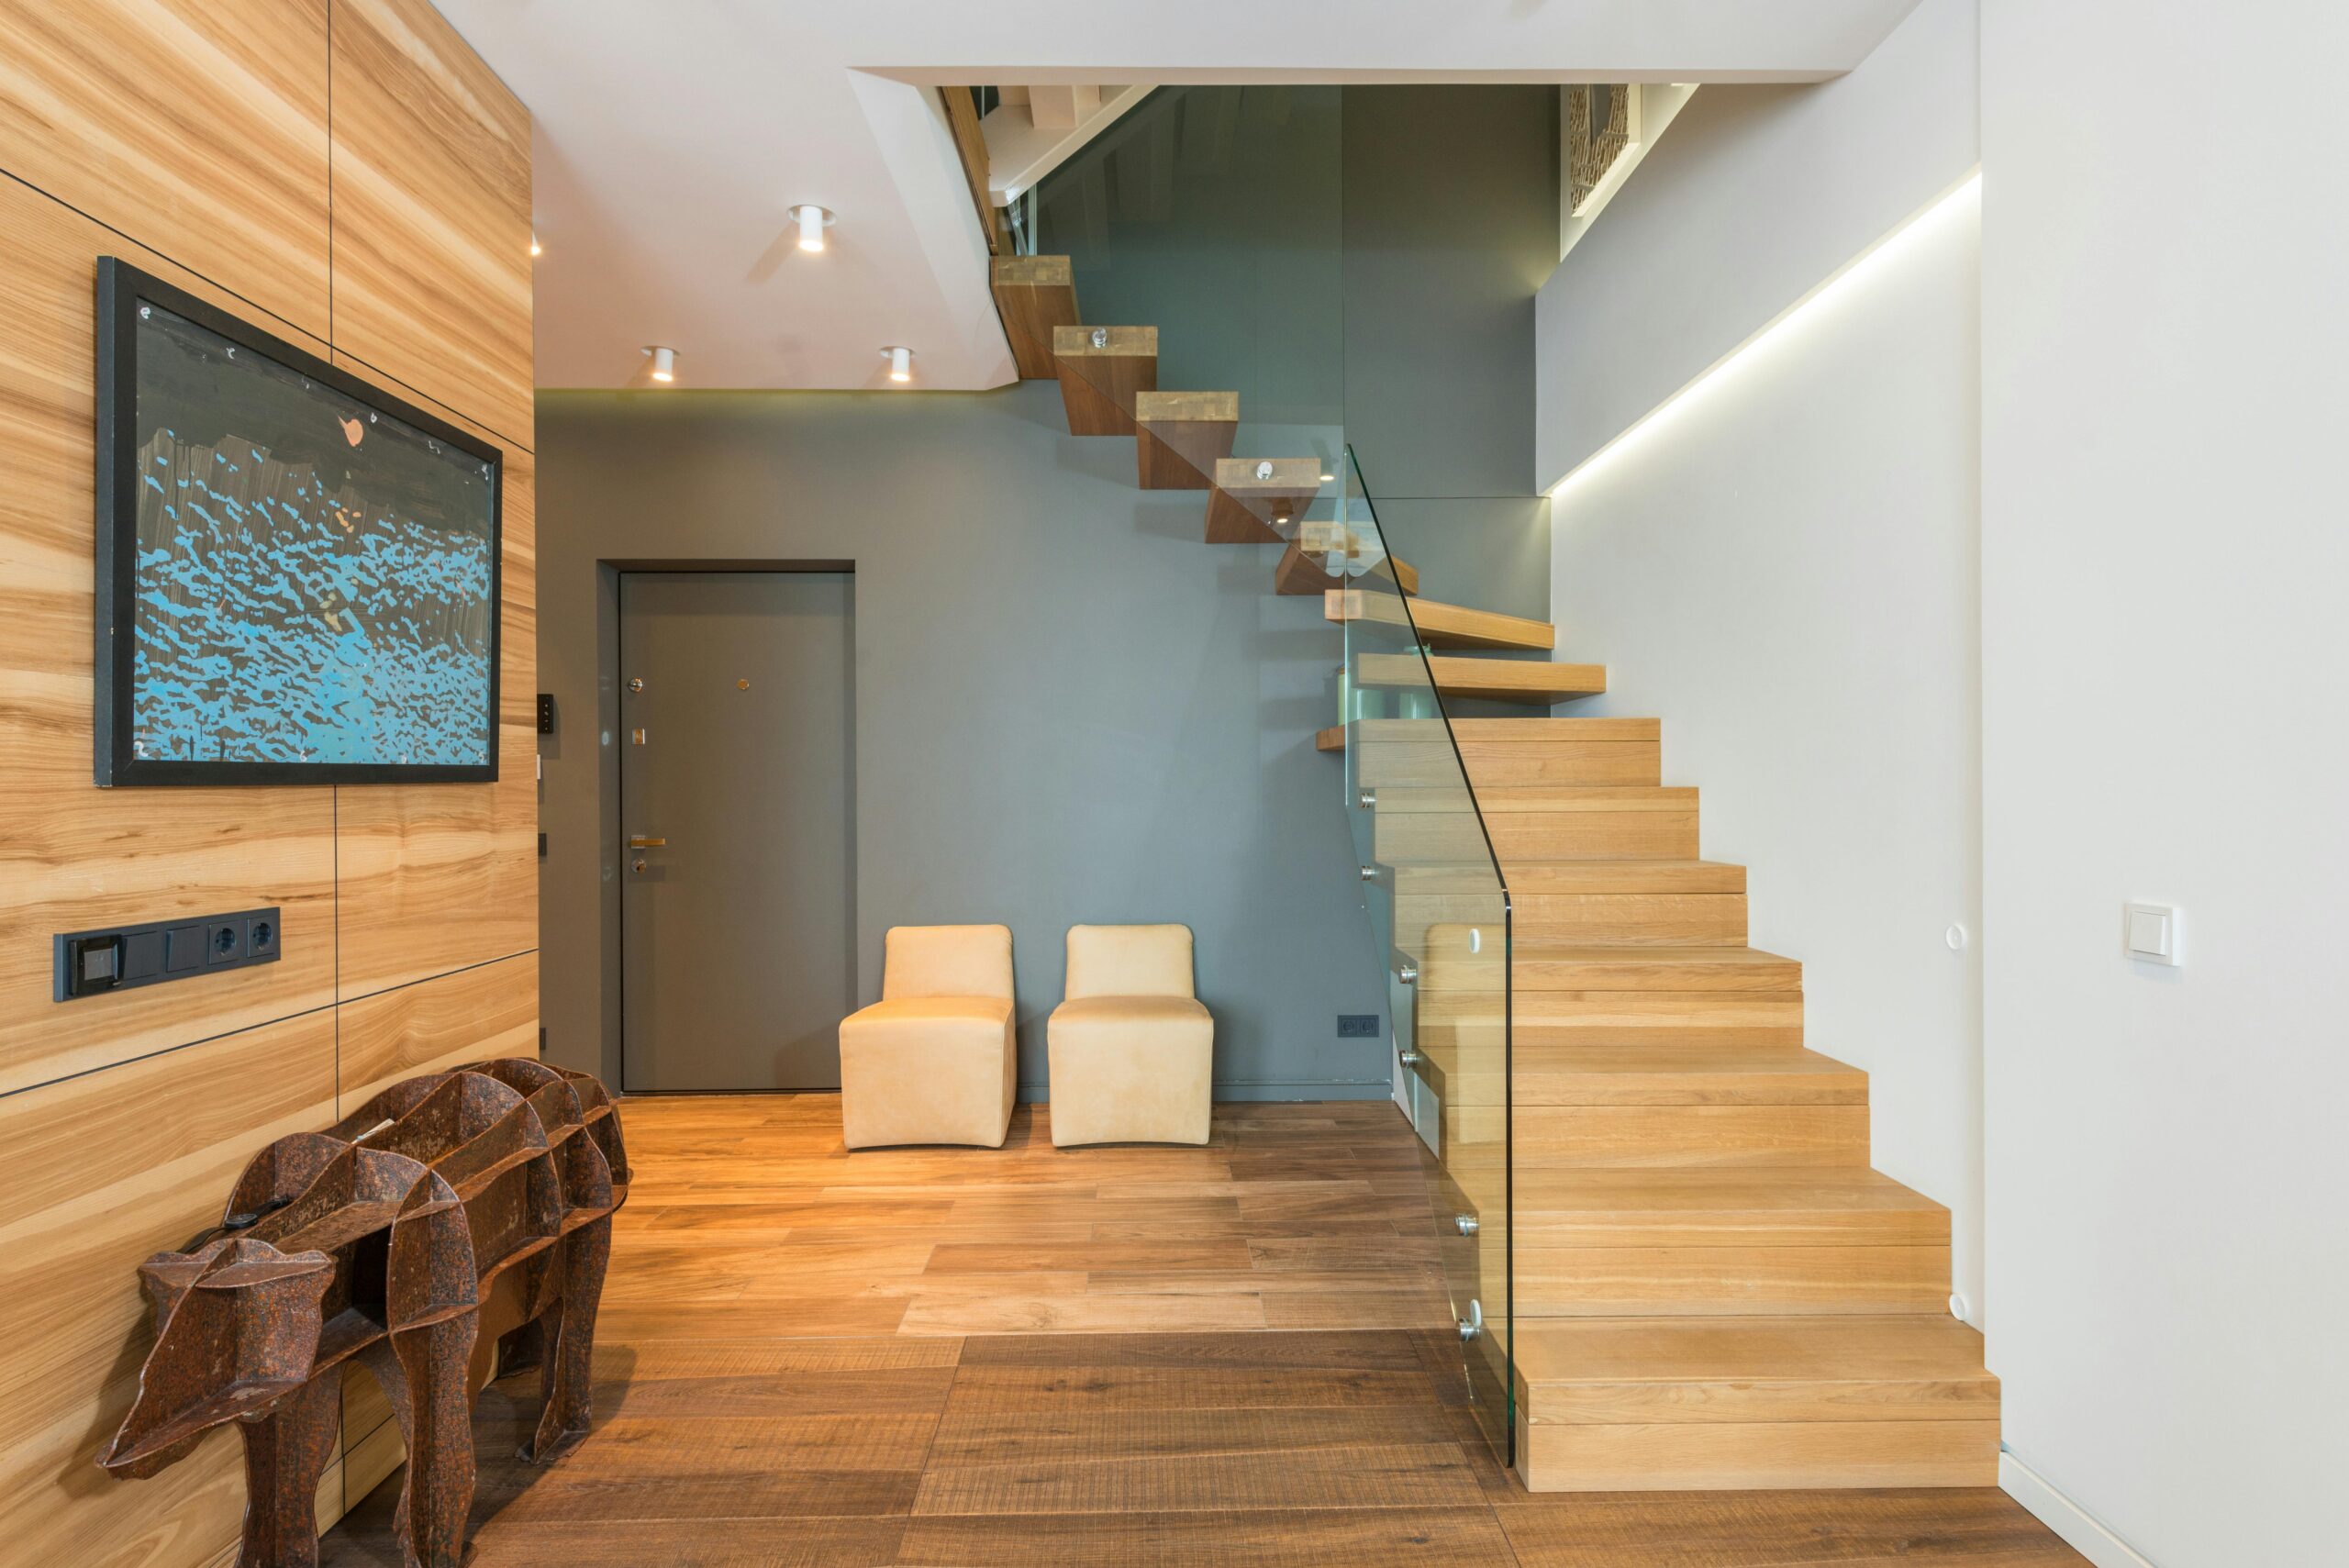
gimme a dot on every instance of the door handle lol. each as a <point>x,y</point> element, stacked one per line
<point>639,841</point>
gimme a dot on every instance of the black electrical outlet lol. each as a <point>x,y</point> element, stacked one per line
<point>119,957</point>
<point>545,713</point>
<point>1357,1026</point>
<point>224,941</point>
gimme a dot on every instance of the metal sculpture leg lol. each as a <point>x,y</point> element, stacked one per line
<point>567,1374</point>
<point>286,1452</point>
<point>423,1372</point>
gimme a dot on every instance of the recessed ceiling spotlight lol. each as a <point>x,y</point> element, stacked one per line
<point>665,362</point>
<point>812,221</point>
<point>901,363</point>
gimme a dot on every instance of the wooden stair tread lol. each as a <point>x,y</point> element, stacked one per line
<point>1179,436</point>
<point>1243,508</point>
<point>1506,799</point>
<point>1537,963</point>
<point>1734,1403</point>
<point>1627,876</point>
<point>1304,570</point>
<point>1718,1205</point>
<point>1597,876</point>
<point>1036,295</point>
<point>1439,625</point>
<point>1098,385</point>
<point>1531,729</point>
<point>1613,1071</point>
<point>1121,343</point>
<point>1499,680</point>
<point>1552,1354</point>
<point>1213,407</point>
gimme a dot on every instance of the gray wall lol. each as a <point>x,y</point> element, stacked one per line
<point>1451,224</point>
<point>1068,707</point>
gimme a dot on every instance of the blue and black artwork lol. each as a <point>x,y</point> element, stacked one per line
<point>316,579</point>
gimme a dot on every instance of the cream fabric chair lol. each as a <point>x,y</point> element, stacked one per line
<point>935,1060</point>
<point>1132,1050</point>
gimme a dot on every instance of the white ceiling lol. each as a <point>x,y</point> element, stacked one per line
<point>671,138</point>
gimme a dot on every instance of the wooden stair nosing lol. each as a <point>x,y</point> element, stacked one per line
<point>1695,1206</point>
<point>1439,625</point>
<point>1499,680</point>
<point>1609,1072</point>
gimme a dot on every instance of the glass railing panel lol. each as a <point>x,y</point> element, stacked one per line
<point>1446,937</point>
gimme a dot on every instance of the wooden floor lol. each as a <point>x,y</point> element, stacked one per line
<point>1036,1356</point>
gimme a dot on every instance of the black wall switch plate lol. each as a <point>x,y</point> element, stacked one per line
<point>118,958</point>
<point>545,713</point>
<point>1357,1026</point>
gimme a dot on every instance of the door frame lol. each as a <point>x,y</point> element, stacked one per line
<point>611,826</point>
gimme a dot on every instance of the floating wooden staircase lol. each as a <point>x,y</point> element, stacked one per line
<point>1712,1287</point>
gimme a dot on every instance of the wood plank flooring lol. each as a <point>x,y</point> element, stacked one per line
<point>942,1359</point>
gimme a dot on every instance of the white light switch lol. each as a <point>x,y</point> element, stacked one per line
<point>2151,933</point>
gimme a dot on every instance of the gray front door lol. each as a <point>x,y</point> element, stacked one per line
<point>737,917</point>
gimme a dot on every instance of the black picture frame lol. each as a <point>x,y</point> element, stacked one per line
<point>120,289</point>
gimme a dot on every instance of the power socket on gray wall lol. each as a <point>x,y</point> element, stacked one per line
<point>1357,1026</point>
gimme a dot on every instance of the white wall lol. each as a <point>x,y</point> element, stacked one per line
<point>1784,567</point>
<point>1754,195</point>
<point>2165,669</point>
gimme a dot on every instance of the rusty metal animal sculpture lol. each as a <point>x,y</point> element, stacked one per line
<point>377,1242</point>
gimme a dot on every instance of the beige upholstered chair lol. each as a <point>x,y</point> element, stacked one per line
<point>935,1060</point>
<point>1132,1050</point>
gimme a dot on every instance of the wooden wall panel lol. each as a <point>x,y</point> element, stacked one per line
<point>72,855</point>
<point>104,1171</point>
<point>431,160</point>
<point>197,125</point>
<point>205,129</point>
<point>435,877</point>
<point>436,1024</point>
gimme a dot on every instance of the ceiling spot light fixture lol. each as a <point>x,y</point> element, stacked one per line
<point>812,221</point>
<point>901,363</point>
<point>664,363</point>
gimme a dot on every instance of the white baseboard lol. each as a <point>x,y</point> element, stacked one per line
<point>2081,1530</point>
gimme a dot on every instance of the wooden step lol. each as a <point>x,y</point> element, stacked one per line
<point>1551,1063</point>
<point>1538,964</point>
<point>1537,682</point>
<point>1500,752</point>
<point>1549,1070</point>
<point>1683,903</point>
<point>1763,1021</point>
<point>1301,572</point>
<point>1566,823</point>
<point>1100,382</point>
<point>1179,436</point>
<point>1036,295</point>
<point>1434,624</point>
<point>1746,1136</point>
<point>1247,506</point>
<point>1720,1240</point>
<point>1668,1207</point>
<point>1741,1403</point>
